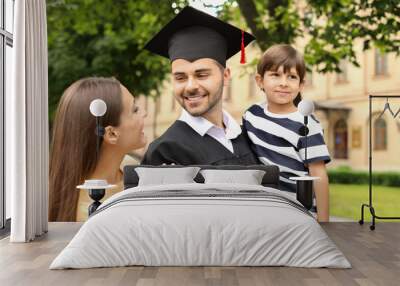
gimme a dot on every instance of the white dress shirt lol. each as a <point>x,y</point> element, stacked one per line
<point>203,126</point>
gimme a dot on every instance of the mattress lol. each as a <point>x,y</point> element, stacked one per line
<point>201,225</point>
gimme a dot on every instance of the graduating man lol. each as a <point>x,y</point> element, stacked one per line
<point>198,46</point>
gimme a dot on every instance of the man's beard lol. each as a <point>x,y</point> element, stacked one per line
<point>210,105</point>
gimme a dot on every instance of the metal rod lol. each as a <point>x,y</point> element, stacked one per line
<point>97,138</point>
<point>305,139</point>
<point>370,152</point>
<point>371,208</point>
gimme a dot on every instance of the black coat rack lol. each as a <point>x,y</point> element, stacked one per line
<point>370,205</point>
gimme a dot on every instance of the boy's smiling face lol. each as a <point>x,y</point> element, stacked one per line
<point>280,88</point>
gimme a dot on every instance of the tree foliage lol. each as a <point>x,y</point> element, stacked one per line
<point>330,27</point>
<point>105,38</point>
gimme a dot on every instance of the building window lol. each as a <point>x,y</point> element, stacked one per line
<point>340,132</point>
<point>341,77</point>
<point>380,63</point>
<point>6,60</point>
<point>380,134</point>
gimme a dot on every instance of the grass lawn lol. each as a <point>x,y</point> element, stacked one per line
<point>346,200</point>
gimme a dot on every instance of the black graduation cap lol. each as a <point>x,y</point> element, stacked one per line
<point>193,34</point>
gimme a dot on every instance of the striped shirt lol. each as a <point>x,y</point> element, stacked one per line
<point>276,140</point>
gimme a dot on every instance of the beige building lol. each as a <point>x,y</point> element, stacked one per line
<point>341,100</point>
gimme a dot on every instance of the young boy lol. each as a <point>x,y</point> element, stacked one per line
<point>274,126</point>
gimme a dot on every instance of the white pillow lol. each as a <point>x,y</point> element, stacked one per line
<point>162,176</point>
<point>248,177</point>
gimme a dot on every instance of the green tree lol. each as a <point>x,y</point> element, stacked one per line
<point>332,26</point>
<point>105,38</point>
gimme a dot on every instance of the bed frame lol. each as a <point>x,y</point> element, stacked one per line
<point>270,179</point>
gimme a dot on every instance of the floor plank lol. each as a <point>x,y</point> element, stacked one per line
<point>374,255</point>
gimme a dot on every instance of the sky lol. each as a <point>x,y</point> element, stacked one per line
<point>199,4</point>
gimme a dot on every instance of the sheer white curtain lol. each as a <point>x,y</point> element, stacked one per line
<point>27,124</point>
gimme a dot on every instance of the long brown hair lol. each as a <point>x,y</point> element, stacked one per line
<point>73,147</point>
<point>286,56</point>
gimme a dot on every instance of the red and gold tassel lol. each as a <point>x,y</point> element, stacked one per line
<point>242,51</point>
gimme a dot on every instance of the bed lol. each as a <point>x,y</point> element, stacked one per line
<point>201,223</point>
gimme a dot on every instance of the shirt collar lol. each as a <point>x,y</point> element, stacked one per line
<point>232,128</point>
<point>203,126</point>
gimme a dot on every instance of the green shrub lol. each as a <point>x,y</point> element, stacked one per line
<point>343,168</point>
<point>348,176</point>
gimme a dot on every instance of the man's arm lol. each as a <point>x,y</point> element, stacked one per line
<point>154,156</point>
<point>321,188</point>
<point>162,153</point>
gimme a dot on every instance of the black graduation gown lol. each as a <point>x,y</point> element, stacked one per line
<point>182,145</point>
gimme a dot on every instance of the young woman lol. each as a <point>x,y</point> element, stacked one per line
<point>73,148</point>
<point>274,126</point>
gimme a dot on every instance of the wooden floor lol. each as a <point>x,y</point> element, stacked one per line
<point>374,255</point>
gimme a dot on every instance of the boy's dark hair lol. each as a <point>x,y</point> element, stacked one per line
<point>286,56</point>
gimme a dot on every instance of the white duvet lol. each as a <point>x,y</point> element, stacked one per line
<point>201,224</point>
